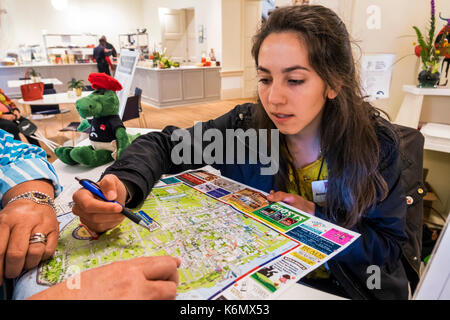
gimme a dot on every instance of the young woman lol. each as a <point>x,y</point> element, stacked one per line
<point>309,90</point>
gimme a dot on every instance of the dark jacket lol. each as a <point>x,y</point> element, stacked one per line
<point>382,229</point>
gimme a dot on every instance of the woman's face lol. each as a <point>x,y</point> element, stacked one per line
<point>291,92</point>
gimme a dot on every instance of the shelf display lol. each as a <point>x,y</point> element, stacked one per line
<point>138,40</point>
<point>69,48</point>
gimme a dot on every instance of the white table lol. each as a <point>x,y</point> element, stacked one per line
<point>57,98</point>
<point>18,83</point>
<point>49,99</point>
<point>409,113</point>
<point>27,286</point>
<point>411,108</point>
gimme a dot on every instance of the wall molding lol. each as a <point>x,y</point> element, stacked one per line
<point>231,73</point>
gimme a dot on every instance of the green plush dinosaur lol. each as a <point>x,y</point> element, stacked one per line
<point>107,133</point>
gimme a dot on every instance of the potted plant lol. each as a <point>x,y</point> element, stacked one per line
<point>35,76</point>
<point>429,52</point>
<point>76,85</point>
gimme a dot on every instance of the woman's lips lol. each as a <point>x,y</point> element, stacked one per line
<point>281,117</point>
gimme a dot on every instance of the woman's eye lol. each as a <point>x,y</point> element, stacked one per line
<point>296,82</point>
<point>264,80</point>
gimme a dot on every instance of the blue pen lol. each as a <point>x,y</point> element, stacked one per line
<point>95,189</point>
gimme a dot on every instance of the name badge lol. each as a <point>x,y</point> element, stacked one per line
<point>319,190</point>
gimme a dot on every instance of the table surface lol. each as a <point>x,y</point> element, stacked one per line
<point>18,83</point>
<point>27,285</point>
<point>56,98</point>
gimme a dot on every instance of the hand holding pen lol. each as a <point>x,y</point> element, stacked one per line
<point>97,214</point>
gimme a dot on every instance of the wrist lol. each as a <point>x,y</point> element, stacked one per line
<point>129,189</point>
<point>37,197</point>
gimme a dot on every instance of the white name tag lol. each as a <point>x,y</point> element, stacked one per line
<point>319,190</point>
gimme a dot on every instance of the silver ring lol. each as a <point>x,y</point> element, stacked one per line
<point>38,238</point>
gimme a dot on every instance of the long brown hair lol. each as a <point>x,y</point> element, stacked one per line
<point>349,140</point>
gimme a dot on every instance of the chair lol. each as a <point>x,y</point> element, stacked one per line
<point>133,109</point>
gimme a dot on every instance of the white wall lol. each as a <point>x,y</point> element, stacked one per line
<point>26,19</point>
<point>207,12</point>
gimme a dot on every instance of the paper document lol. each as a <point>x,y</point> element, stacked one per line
<point>233,243</point>
<point>376,73</point>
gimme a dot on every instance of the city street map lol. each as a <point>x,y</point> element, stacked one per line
<point>232,242</point>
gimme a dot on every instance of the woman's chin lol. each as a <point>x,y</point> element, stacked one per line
<point>288,130</point>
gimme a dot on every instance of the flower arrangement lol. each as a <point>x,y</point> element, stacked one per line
<point>430,51</point>
<point>426,49</point>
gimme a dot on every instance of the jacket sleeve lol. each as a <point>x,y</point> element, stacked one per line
<point>150,156</point>
<point>382,232</point>
<point>21,162</point>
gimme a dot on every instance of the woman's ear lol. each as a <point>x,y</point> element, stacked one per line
<point>332,93</point>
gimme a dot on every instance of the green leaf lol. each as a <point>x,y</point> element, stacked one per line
<point>424,54</point>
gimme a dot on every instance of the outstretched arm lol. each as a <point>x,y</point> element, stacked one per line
<point>146,278</point>
<point>151,155</point>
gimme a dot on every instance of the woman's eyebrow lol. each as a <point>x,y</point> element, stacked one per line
<point>286,70</point>
<point>293,68</point>
<point>262,69</point>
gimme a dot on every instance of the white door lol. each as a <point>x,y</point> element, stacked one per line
<point>191,36</point>
<point>173,28</point>
<point>251,23</point>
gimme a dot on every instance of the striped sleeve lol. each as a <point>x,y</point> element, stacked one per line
<point>21,162</point>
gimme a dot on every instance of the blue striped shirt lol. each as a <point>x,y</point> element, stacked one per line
<point>21,162</point>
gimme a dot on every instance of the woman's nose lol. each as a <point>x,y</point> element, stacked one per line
<point>277,94</point>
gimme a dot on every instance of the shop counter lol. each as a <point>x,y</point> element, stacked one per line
<point>178,86</point>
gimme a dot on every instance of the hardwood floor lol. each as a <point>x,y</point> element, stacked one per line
<point>156,118</point>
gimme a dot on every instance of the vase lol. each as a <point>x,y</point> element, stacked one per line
<point>78,91</point>
<point>428,79</point>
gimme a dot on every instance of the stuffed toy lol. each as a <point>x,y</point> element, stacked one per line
<point>107,133</point>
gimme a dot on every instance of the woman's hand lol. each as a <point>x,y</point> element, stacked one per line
<point>99,215</point>
<point>19,220</point>
<point>293,200</point>
<point>154,278</point>
<point>9,116</point>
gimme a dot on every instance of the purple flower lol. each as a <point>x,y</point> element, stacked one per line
<point>433,8</point>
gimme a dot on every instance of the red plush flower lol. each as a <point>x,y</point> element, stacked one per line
<point>103,81</point>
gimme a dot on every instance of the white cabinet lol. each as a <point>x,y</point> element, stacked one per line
<point>178,86</point>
